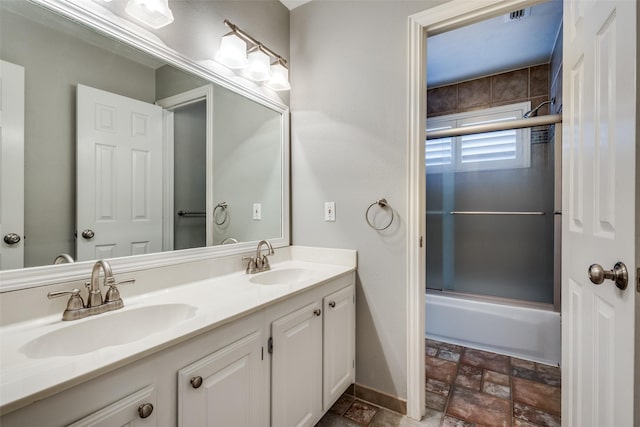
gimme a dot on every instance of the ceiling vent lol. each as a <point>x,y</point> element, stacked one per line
<point>517,15</point>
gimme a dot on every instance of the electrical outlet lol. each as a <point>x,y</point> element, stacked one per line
<point>330,211</point>
<point>257,211</point>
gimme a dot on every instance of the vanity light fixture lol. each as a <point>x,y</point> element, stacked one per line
<point>154,13</point>
<point>257,66</point>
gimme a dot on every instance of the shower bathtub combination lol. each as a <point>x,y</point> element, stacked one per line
<point>493,228</point>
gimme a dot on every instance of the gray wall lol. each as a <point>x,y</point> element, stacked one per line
<point>171,81</point>
<point>198,25</point>
<point>54,63</point>
<point>349,145</point>
<point>247,167</point>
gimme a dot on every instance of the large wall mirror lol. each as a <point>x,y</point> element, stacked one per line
<point>127,155</point>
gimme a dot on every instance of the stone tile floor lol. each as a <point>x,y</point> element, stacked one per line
<point>466,388</point>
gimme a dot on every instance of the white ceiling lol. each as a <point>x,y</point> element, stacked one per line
<point>494,45</point>
<point>292,4</point>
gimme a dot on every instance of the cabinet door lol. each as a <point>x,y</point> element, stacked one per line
<point>128,411</point>
<point>339,345</point>
<point>296,368</point>
<point>226,388</point>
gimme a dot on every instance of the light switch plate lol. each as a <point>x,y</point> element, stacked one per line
<point>330,211</point>
<point>257,211</point>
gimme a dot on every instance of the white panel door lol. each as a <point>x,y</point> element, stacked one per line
<point>339,344</point>
<point>225,388</point>
<point>119,166</point>
<point>599,138</point>
<point>11,165</point>
<point>296,368</point>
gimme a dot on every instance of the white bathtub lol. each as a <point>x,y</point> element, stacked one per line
<point>527,333</point>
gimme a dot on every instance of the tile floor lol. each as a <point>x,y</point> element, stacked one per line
<point>465,388</point>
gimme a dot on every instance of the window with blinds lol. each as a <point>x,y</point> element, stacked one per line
<point>484,151</point>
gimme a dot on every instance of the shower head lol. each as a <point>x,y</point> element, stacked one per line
<point>534,112</point>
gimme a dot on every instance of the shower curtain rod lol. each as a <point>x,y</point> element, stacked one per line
<point>493,127</point>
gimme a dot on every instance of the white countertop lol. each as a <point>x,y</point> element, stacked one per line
<point>217,301</point>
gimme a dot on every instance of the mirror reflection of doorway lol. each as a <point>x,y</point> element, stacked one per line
<point>188,147</point>
<point>190,154</point>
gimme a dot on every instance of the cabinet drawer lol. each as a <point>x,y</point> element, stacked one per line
<point>136,410</point>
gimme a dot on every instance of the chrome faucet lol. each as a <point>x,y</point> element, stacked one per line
<point>260,262</point>
<point>76,308</point>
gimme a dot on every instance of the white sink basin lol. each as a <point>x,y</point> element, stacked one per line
<point>285,276</point>
<point>108,329</point>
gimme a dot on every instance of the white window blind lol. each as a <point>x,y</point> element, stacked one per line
<point>439,151</point>
<point>484,151</point>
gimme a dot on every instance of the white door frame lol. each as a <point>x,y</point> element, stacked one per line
<point>448,16</point>
<point>202,93</point>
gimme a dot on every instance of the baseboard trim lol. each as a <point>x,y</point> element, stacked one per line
<point>387,401</point>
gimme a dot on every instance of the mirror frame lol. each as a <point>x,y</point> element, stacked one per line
<point>90,15</point>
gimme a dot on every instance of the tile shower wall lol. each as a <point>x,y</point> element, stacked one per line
<point>526,84</point>
<point>506,256</point>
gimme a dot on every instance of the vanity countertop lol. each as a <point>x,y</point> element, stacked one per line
<point>209,303</point>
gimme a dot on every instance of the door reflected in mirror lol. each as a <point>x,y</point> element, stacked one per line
<point>117,144</point>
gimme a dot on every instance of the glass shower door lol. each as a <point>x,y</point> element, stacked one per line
<point>491,232</point>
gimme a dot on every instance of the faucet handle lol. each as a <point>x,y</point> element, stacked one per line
<point>265,263</point>
<point>75,301</point>
<point>113,294</point>
<point>251,265</point>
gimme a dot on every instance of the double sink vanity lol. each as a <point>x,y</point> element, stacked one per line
<point>190,346</point>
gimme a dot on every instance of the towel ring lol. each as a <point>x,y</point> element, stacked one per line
<point>223,206</point>
<point>383,204</point>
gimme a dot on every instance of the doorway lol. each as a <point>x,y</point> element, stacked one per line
<point>433,21</point>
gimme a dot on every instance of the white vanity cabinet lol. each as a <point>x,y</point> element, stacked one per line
<point>313,352</point>
<point>222,376</point>
<point>226,388</point>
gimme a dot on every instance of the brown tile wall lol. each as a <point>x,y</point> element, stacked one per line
<point>526,84</point>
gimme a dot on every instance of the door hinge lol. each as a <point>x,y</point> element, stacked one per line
<point>262,353</point>
<point>638,280</point>
<point>270,345</point>
<point>421,237</point>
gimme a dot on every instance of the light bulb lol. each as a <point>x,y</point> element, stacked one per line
<point>279,77</point>
<point>232,52</point>
<point>259,68</point>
